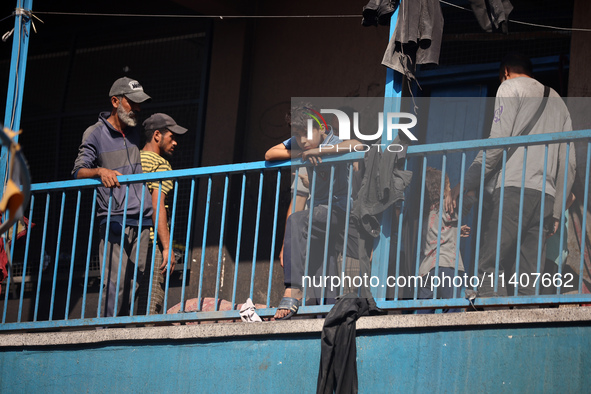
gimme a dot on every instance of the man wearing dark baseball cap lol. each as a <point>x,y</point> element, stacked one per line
<point>110,148</point>
<point>163,122</point>
<point>161,131</point>
<point>129,88</point>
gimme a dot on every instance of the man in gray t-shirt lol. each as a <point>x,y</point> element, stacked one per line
<point>517,101</point>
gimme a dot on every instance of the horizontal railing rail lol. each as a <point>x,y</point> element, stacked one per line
<point>226,222</point>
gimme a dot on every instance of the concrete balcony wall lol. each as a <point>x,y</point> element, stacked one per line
<point>540,350</point>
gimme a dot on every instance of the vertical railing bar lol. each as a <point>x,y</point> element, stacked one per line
<point>440,219</point>
<point>73,255</point>
<point>88,254</point>
<point>310,217</point>
<point>105,248</point>
<point>221,243</point>
<point>542,216</point>
<point>460,217</point>
<point>239,238</point>
<point>137,250</point>
<point>121,248</point>
<point>500,222</point>
<point>584,211</point>
<point>187,245</point>
<point>399,239</point>
<point>170,247</point>
<point>274,238</point>
<point>479,218</point>
<point>346,232</point>
<point>9,276</point>
<point>154,242</point>
<point>204,240</point>
<point>41,260</point>
<point>26,259</point>
<point>520,220</point>
<point>420,223</point>
<point>57,256</point>
<point>154,249</point>
<point>295,189</point>
<point>256,235</point>
<point>565,196</point>
<point>327,233</point>
<point>12,242</point>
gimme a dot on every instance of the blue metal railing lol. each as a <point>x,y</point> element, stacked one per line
<point>35,299</point>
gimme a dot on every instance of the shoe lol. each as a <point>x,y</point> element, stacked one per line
<point>291,304</point>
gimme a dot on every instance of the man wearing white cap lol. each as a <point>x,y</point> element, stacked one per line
<point>110,148</point>
<point>161,131</point>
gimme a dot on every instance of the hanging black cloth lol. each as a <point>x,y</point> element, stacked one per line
<point>378,12</point>
<point>338,355</point>
<point>492,15</point>
<point>417,37</point>
<point>382,186</point>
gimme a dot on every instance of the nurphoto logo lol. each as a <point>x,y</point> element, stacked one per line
<point>345,128</point>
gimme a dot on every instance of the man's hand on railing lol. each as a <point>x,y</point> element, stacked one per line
<point>164,258</point>
<point>109,177</point>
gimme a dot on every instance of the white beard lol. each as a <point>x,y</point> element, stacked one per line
<point>127,118</point>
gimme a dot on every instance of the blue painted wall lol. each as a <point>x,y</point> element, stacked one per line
<point>521,359</point>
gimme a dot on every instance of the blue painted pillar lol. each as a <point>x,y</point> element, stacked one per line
<point>381,252</point>
<point>18,65</point>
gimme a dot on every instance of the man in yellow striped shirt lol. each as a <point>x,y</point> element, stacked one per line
<point>161,132</point>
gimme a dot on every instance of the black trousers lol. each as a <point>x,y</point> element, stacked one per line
<point>528,247</point>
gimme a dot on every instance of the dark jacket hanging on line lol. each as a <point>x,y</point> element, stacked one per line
<point>417,37</point>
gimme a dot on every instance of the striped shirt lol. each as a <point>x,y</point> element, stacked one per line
<point>153,162</point>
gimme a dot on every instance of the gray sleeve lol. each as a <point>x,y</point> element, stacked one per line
<point>87,153</point>
<point>502,126</point>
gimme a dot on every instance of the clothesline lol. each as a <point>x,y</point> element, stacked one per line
<point>521,22</point>
<point>274,17</point>
<point>196,16</point>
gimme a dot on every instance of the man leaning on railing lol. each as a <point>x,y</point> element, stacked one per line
<point>310,148</point>
<point>110,148</point>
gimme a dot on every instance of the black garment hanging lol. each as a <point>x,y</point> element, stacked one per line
<point>492,15</point>
<point>417,37</point>
<point>378,12</point>
<point>382,186</point>
<point>338,356</point>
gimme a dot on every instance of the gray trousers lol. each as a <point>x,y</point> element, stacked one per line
<point>127,288</point>
<point>295,244</point>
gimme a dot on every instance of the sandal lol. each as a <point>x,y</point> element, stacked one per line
<point>290,304</point>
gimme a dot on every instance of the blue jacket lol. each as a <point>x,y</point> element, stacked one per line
<point>104,146</point>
